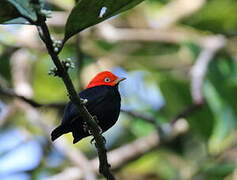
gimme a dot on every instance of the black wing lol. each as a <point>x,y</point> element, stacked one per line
<point>94,96</point>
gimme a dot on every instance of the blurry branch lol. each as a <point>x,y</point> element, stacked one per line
<point>148,119</point>
<point>25,37</point>
<point>152,120</point>
<point>21,62</point>
<point>108,32</point>
<point>61,71</point>
<point>186,112</point>
<point>210,46</point>
<point>129,152</point>
<point>176,10</point>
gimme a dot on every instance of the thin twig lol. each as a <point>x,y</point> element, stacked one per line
<point>150,119</point>
<point>186,112</point>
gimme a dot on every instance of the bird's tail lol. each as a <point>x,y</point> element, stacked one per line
<point>57,132</point>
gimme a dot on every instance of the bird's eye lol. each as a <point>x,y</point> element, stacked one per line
<point>107,79</point>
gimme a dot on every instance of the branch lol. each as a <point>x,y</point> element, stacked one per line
<point>176,10</point>
<point>211,45</point>
<point>186,112</point>
<point>149,119</point>
<point>62,73</point>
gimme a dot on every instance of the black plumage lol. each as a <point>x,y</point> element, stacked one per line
<point>103,102</point>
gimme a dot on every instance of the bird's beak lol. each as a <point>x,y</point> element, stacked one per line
<point>119,80</point>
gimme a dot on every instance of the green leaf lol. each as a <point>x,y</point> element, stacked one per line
<point>87,13</point>
<point>224,117</point>
<point>25,8</point>
<point>7,12</point>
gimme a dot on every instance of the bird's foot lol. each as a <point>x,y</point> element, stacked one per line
<point>100,132</point>
<point>94,142</point>
<point>87,129</point>
<point>84,101</point>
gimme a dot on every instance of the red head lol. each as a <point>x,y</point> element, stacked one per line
<point>105,78</point>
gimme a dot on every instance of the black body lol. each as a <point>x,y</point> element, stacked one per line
<point>103,102</point>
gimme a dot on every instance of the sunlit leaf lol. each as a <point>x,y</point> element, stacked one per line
<point>224,117</point>
<point>18,20</point>
<point>88,13</point>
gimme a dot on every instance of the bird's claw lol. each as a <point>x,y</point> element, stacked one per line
<point>87,129</point>
<point>92,141</point>
<point>84,101</point>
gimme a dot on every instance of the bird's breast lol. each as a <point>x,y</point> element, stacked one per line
<point>107,112</point>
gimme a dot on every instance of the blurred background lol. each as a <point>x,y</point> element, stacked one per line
<point>179,103</point>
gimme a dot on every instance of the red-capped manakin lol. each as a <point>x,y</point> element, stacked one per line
<point>103,101</point>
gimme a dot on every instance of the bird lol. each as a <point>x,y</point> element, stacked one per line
<point>102,101</point>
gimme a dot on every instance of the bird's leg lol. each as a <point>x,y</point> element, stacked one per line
<point>87,129</point>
